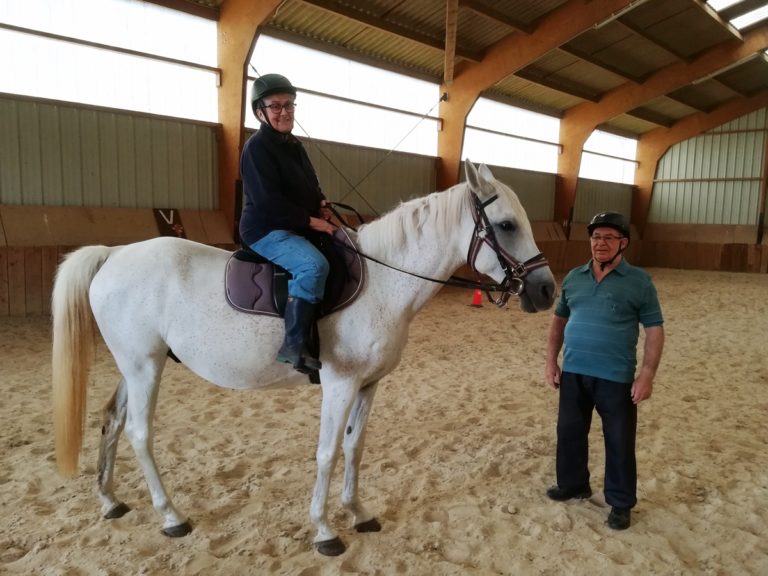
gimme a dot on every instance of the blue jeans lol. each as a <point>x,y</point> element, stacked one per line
<point>296,254</point>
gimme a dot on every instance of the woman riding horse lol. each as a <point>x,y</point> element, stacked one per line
<point>283,204</point>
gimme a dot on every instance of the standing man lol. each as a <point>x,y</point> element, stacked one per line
<point>601,306</point>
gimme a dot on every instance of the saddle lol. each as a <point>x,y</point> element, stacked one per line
<point>255,285</point>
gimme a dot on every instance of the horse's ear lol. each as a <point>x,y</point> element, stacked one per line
<point>471,173</point>
<point>479,182</point>
<point>486,173</point>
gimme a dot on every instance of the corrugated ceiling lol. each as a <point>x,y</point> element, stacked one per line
<point>632,47</point>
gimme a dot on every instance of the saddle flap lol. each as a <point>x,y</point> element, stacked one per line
<point>248,286</point>
<point>259,287</point>
<point>347,274</point>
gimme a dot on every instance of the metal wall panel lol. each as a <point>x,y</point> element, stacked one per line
<point>706,202</point>
<point>56,154</point>
<point>536,190</point>
<point>593,196</point>
<point>752,121</point>
<point>373,181</point>
<point>714,178</point>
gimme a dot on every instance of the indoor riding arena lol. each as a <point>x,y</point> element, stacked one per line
<point>461,441</point>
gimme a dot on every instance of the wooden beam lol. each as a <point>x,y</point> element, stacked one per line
<point>451,25</point>
<point>505,57</point>
<point>389,27</point>
<point>579,122</point>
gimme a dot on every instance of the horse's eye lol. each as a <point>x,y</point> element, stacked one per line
<point>507,226</point>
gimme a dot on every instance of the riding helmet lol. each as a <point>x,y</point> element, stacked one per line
<point>269,84</point>
<point>613,220</point>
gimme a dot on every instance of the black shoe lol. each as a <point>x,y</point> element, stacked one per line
<point>561,494</point>
<point>619,518</point>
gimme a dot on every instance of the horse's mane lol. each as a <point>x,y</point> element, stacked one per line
<point>406,222</point>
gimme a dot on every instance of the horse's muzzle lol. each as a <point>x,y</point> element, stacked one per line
<point>540,291</point>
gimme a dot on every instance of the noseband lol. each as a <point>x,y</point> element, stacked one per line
<point>515,272</point>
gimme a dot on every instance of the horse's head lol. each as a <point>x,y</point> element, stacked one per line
<point>502,245</point>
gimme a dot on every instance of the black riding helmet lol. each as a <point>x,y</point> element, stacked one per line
<point>267,85</point>
<point>613,220</point>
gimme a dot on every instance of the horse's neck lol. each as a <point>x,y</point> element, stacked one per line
<point>427,254</point>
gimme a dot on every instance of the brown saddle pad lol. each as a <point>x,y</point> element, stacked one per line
<point>253,284</point>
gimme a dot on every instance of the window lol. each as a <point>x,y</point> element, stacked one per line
<point>504,135</point>
<point>753,16</point>
<point>65,69</point>
<point>609,157</point>
<point>345,101</point>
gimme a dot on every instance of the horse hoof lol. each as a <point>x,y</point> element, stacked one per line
<point>371,525</point>
<point>178,531</point>
<point>332,547</point>
<point>117,512</point>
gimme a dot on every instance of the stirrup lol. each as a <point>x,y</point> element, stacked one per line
<point>300,363</point>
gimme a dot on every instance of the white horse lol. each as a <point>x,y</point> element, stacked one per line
<point>167,294</point>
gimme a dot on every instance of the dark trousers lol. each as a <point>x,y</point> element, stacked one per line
<point>579,395</point>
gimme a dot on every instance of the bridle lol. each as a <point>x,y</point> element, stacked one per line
<point>515,272</point>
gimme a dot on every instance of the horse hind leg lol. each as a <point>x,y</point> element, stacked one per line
<point>113,424</point>
<point>354,442</point>
<point>142,385</point>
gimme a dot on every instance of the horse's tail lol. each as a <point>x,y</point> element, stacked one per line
<point>73,344</point>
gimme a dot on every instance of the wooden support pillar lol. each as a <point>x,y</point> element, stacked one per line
<point>649,152</point>
<point>238,23</point>
<point>573,135</point>
<point>450,141</point>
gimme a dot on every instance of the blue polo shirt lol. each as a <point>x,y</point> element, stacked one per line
<point>603,320</point>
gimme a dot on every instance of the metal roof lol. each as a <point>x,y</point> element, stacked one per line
<point>632,46</point>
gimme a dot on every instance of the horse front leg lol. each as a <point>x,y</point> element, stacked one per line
<point>337,400</point>
<point>112,426</point>
<point>354,444</point>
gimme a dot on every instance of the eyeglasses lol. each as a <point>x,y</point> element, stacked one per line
<point>598,238</point>
<point>278,108</point>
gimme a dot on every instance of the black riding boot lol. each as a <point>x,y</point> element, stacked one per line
<point>299,315</point>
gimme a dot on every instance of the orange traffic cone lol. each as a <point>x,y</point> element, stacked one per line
<point>477,298</point>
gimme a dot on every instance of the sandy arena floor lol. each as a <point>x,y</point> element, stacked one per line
<point>460,449</point>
